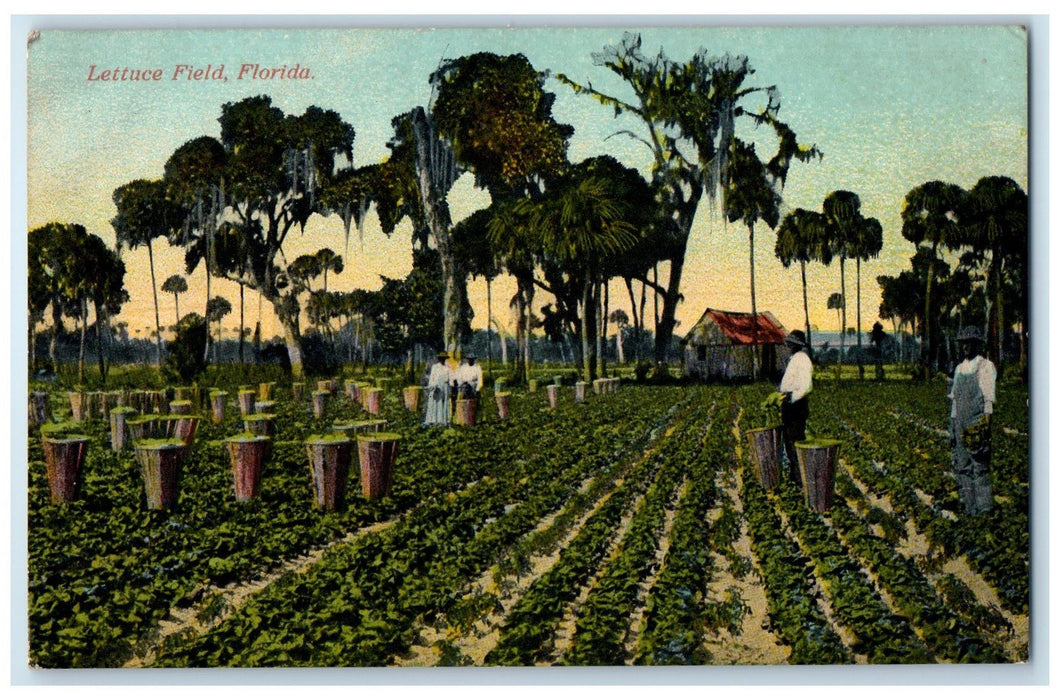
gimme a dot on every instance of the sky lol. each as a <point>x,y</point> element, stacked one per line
<point>890,107</point>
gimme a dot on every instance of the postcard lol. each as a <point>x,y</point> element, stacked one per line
<point>702,345</point>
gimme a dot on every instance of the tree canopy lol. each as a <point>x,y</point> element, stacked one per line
<point>690,112</point>
<point>232,201</point>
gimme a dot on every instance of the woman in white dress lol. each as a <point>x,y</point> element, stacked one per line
<point>437,392</point>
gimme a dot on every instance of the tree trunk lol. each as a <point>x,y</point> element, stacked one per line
<point>349,345</point>
<point>453,293</point>
<point>257,333</point>
<point>1023,348</point>
<point>489,327</point>
<point>81,348</point>
<point>806,305</point>
<point>32,346</point>
<point>520,333</point>
<point>655,295</point>
<point>925,329</point>
<point>241,324</point>
<point>435,173</point>
<point>100,359</point>
<point>292,337</point>
<point>665,329</point>
<point>205,313</point>
<point>633,310</point>
<point>598,345</point>
<point>176,307</point>
<point>57,327</point>
<point>754,308</point>
<point>154,291</point>
<point>861,367</point>
<point>843,316</point>
<point>587,368</point>
<point>640,328</point>
<point>997,327</point>
<point>685,217</point>
<point>529,309</point>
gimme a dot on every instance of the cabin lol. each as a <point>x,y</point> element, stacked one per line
<point>720,346</point>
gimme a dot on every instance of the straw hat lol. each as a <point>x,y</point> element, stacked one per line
<point>796,338</point>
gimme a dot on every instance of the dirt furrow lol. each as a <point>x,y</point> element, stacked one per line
<point>636,621</point>
<point>917,547</point>
<point>754,644</point>
<point>565,628</point>
<point>822,592</point>
<point>470,640</point>
<point>491,597</point>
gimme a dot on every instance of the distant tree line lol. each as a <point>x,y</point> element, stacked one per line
<point>232,200</point>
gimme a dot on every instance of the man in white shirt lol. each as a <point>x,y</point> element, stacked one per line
<point>972,403</point>
<point>795,385</point>
<point>468,377</point>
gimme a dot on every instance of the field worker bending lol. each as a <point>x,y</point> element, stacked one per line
<point>972,397</point>
<point>437,392</point>
<point>795,385</point>
<point>469,378</point>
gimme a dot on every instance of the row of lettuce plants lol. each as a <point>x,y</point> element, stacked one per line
<point>795,612</point>
<point>896,460</point>
<point>361,604</point>
<point>528,633</point>
<point>103,571</point>
<point>602,627</point>
<point>881,635</point>
<point>945,633</point>
<point>675,612</point>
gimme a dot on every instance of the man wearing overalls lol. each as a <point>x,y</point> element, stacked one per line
<point>972,396</point>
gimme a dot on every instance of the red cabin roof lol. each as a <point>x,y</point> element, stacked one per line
<point>739,327</point>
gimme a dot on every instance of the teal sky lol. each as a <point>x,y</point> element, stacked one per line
<point>890,107</point>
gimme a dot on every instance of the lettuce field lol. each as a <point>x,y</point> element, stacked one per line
<point>628,528</point>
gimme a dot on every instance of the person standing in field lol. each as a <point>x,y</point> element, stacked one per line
<point>795,385</point>
<point>437,392</point>
<point>972,403</point>
<point>469,378</point>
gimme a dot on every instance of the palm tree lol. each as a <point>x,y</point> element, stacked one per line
<point>303,270</point>
<point>216,309</point>
<point>835,301</point>
<point>100,274</point>
<point>584,224</point>
<point>621,319</point>
<point>994,221</point>
<point>478,258</point>
<point>175,285</point>
<point>328,260</point>
<point>49,275</point>
<point>751,197</point>
<point>516,245</point>
<point>866,243</point>
<point>929,215</point>
<point>842,215</point>
<point>801,237</point>
<point>143,215</point>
